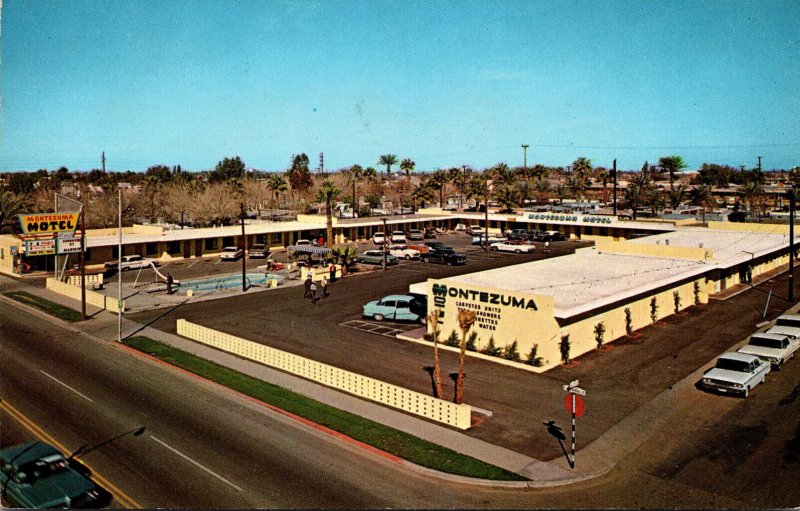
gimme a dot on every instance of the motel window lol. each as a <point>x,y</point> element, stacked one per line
<point>150,249</point>
<point>261,238</point>
<point>173,247</point>
<point>211,244</point>
<point>227,241</point>
<point>275,238</point>
<point>114,252</point>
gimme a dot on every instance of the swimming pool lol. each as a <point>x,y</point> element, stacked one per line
<point>228,281</point>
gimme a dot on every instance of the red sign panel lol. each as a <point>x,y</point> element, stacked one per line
<point>580,404</point>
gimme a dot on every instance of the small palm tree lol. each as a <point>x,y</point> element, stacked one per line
<point>423,192</point>
<point>276,183</point>
<point>388,160</point>
<point>356,173</point>
<point>466,318</point>
<point>542,187</point>
<point>479,188</point>
<point>701,196</point>
<point>672,165</point>
<point>582,167</point>
<point>328,193</point>
<point>11,204</point>
<point>433,324</point>
<point>677,195</point>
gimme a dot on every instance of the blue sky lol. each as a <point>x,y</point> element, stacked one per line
<point>444,83</point>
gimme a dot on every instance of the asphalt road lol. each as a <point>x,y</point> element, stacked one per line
<point>719,452</point>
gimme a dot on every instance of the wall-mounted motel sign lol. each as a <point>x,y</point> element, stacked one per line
<point>40,247</point>
<point>44,223</point>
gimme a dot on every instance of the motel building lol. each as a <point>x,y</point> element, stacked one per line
<point>166,244</point>
<point>622,285</point>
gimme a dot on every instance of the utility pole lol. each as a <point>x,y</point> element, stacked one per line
<point>741,169</point>
<point>525,157</point>
<point>759,162</point>
<point>103,159</point>
<point>119,265</point>
<point>385,244</point>
<point>614,179</point>
<point>244,253</point>
<point>83,262</point>
<point>792,191</point>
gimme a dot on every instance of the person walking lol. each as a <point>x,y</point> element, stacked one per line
<point>170,281</point>
<point>324,284</point>
<point>307,285</point>
<point>333,272</point>
<point>313,290</point>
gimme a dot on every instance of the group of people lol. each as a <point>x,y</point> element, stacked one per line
<point>311,288</point>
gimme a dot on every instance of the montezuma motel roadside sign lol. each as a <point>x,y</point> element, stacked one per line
<point>48,223</point>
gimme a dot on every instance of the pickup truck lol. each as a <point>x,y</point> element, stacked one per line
<point>773,348</point>
<point>131,262</point>
<point>446,256</point>
<point>736,373</point>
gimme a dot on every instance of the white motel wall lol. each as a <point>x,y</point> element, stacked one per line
<point>537,303</point>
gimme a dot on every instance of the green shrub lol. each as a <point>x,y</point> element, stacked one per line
<point>564,346</point>
<point>533,358</point>
<point>697,293</point>
<point>628,321</point>
<point>653,309</point>
<point>511,352</point>
<point>453,340</point>
<point>676,297</point>
<point>491,349</point>
<point>599,332</point>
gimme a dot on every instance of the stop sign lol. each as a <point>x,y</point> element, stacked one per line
<point>580,404</point>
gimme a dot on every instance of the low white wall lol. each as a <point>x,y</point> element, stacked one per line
<point>439,410</point>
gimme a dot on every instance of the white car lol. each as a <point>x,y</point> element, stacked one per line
<point>131,262</point>
<point>399,237</point>
<point>736,373</point>
<point>774,348</point>
<point>379,238</point>
<point>493,238</point>
<point>787,324</point>
<point>403,252</point>
<point>512,246</point>
<point>231,253</point>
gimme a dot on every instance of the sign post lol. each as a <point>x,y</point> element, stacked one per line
<point>575,405</point>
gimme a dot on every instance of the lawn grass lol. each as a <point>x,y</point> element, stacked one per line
<point>45,305</point>
<point>372,433</point>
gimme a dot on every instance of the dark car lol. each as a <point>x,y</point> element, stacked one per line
<point>446,256</point>
<point>551,236</point>
<point>436,245</point>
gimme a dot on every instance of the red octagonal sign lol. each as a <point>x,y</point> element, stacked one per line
<point>580,404</point>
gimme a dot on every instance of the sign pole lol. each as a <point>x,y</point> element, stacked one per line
<point>575,405</point>
<point>119,263</point>
<point>572,461</point>
<point>83,263</point>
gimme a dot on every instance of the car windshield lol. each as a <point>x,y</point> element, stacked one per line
<point>733,365</point>
<point>766,342</point>
<point>42,468</point>
<point>788,322</point>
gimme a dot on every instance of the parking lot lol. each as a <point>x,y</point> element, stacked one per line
<point>617,381</point>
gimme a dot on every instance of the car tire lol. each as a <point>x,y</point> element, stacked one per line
<point>426,260</point>
<point>495,249</point>
<point>517,251</point>
<point>408,257</point>
<point>746,391</point>
<point>378,317</point>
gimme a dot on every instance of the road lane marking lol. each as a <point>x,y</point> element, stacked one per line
<point>39,433</point>
<point>190,460</point>
<point>64,384</point>
<point>195,262</point>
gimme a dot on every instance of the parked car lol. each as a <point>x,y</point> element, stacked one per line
<point>736,373</point>
<point>376,257</point>
<point>379,238</point>
<point>474,229</point>
<point>429,232</point>
<point>36,475</point>
<point>231,253</point>
<point>131,262</point>
<point>415,235</point>
<point>435,245</point>
<point>551,236</point>
<point>481,239</point>
<point>258,251</point>
<point>773,348</point>
<point>403,252</point>
<point>395,307</point>
<point>398,237</point>
<point>446,256</point>
<point>787,324</point>
<point>512,246</point>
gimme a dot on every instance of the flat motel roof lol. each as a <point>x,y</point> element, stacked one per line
<point>590,279</point>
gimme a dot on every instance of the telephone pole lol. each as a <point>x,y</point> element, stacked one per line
<point>103,159</point>
<point>614,179</point>
<point>525,157</point>
<point>759,162</point>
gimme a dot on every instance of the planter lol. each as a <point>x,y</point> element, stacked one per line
<point>573,363</point>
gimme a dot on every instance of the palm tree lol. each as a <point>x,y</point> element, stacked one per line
<point>503,174</point>
<point>438,182</point>
<point>582,167</point>
<point>423,192</point>
<point>577,184</point>
<point>11,204</point>
<point>456,176</point>
<point>388,160</point>
<point>601,174</point>
<point>753,194</point>
<point>507,196</point>
<point>328,193</point>
<point>478,187</point>
<point>466,318</point>
<point>701,196</point>
<point>542,187</point>
<point>677,195</point>
<point>355,173</point>
<point>671,164</point>
<point>276,183</point>
<point>407,166</point>
<point>433,323</point>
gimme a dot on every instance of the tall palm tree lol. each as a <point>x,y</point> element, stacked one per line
<point>433,323</point>
<point>542,187</point>
<point>507,196</point>
<point>423,192</point>
<point>466,318</point>
<point>582,167</point>
<point>328,193</point>
<point>601,174</point>
<point>677,195</point>
<point>479,188</point>
<point>439,182</point>
<point>355,173</point>
<point>388,160</point>
<point>672,165</point>
<point>276,183</point>
<point>11,204</point>
<point>701,196</point>
<point>455,176</point>
<point>503,174</point>
<point>753,193</point>
<point>407,166</point>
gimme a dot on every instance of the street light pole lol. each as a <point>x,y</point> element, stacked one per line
<point>385,243</point>
<point>119,265</point>
<point>614,177</point>
<point>792,192</point>
<point>525,157</point>
<point>83,262</point>
<point>244,253</point>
